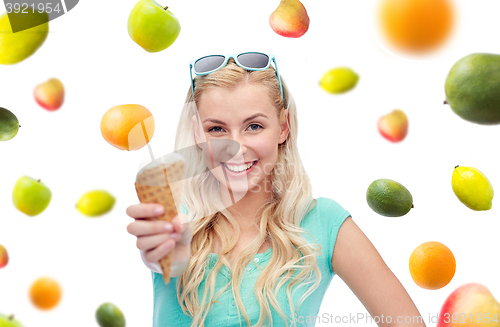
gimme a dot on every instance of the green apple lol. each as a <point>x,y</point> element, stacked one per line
<point>153,27</point>
<point>31,196</point>
<point>9,321</point>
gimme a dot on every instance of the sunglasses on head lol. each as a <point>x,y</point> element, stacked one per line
<point>247,60</point>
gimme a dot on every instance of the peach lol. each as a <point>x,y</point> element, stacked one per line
<point>290,19</point>
<point>4,256</point>
<point>470,305</point>
<point>50,94</point>
<point>393,126</point>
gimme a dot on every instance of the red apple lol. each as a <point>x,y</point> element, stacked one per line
<point>470,305</point>
<point>393,126</point>
<point>4,256</point>
<point>290,19</point>
<point>50,94</point>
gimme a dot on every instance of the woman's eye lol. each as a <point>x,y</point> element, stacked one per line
<point>212,129</point>
<point>218,129</point>
<point>256,128</point>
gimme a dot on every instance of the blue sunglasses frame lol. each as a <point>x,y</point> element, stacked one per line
<point>235,57</point>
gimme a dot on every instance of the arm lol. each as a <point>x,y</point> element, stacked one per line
<point>361,267</point>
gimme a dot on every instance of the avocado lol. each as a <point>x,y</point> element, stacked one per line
<point>9,125</point>
<point>389,198</point>
<point>472,88</point>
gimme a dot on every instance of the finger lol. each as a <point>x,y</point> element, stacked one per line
<point>160,251</point>
<point>149,242</point>
<point>176,222</point>
<point>149,227</point>
<point>145,210</point>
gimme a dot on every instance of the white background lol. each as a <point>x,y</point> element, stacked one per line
<point>90,51</point>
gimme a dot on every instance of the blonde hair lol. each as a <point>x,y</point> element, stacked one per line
<point>281,215</point>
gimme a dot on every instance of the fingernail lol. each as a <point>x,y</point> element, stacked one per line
<point>159,210</point>
<point>168,227</point>
<point>173,235</point>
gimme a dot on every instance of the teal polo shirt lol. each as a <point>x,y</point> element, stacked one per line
<point>322,222</point>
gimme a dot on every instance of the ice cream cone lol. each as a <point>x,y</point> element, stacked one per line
<point>156,183</point>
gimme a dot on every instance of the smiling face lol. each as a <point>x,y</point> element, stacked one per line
<point>246,115</point>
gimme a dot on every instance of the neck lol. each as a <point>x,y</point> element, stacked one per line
<point>246,207</point>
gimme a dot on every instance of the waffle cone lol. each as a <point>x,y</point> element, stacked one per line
<point>152,186</point>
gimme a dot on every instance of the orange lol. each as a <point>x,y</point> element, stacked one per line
<point>128,127</point>
<point>45,293</point>
<point>417,25</point>
<point>432,265</point>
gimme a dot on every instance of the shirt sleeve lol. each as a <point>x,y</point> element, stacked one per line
<point>183,209</point>
<point>333,214</point>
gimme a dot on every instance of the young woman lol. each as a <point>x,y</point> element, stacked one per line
<point>251,245</point>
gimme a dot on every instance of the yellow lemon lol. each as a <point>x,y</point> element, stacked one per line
<point>472,188</point>
<point>339,80</point>
<point>95,203</point>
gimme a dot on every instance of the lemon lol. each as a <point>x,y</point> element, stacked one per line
<point>339,80</point>
<point>472,188</point>
<point>95,203</point>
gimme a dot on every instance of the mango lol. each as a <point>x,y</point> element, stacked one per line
<point>389,198</point>
<point>16,47</point>
<point>472,88</point>
<point>9,125</point>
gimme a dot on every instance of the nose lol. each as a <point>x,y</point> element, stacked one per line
<point>237,147</point>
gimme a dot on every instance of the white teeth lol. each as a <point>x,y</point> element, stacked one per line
<point>239,168</point>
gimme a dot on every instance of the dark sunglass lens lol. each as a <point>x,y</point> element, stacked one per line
<point>253,60</point>
<point>208,64</point>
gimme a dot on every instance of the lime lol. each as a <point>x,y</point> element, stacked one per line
<point>95,203</point>
<point>339,80</point>
<point>9,125</point>
<point>108,315</point>
<point>472,188</point>
<point>389,198</point>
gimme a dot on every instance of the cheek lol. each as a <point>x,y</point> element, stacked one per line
<point>267,152</point>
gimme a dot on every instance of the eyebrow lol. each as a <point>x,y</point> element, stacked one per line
<point>246,120</point>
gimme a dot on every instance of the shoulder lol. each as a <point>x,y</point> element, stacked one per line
<point>330,207</point>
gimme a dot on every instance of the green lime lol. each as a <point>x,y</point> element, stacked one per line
<point>95,203</point>
<point>389,198</point>
<point>108,315</point>
<point>472,188</point>
<point>9,125</point>
<point>339,80</point>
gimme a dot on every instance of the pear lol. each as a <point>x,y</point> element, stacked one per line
<point>16,47</point>
<point>470,301</point>
<point>290,19</point>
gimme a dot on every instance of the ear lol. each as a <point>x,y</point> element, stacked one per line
<point>196,129</point>
<point>284,128</point>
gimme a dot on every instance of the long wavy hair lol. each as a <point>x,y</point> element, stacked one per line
<point>281,216</point>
